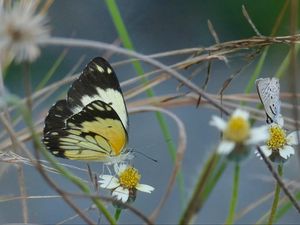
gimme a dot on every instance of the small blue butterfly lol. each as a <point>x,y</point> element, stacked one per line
<point>268,90</point>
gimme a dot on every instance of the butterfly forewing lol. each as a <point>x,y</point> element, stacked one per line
<point>98,81</point>
<point>268,90</point>
<point>91,124</point>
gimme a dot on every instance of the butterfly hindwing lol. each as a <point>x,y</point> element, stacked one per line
<point>57,116</point>
<point>91,124</point>
<point>92,134</point>
<point>100,118</point>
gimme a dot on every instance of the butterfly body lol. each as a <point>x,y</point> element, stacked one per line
<point>91,124</point>
<point>268,90</point>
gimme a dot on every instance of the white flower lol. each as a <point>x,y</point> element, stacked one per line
<point>238,132</point>
<point>126,184</point>
<point>279,145</point>
<point>21,30</point>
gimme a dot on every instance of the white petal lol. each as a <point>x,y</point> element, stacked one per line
<point>119,168</point>
<point>145,188</point>
<point>292,138</point>
<point>225,147</point>
<point>265,150</point>
<point>258,154</point>
<point>286,151</point>
<point>258,134</point>
<point>108,181</point>
<point>121,194</point>
<point>218,122</point>
<point>241,113</point>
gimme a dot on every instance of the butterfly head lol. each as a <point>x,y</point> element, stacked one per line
<point>126,155</point>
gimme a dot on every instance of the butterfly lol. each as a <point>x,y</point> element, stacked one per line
<point>268,90</point>
<point>92,122</point>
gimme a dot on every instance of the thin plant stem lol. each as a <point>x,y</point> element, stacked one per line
<point>213,181</point>
<point>276,197</point>
<point>181,147</point>
<point>195,202</point>
<point>125,37</point>
<point>77,182</point>
<point>128,206</point>
<point>285,208</point>
<point>278,179</point>
<point>27,86</point>
<point>66,198</point>
<point>281,71</point>
<point>20,171</point>
<point>118,214</point>
<point>52,70</point>
<point>234,197</point>
<point>262,58</point>
<point>257,71</point>
<point>23,193</point>
<point>293,68</point>
<point>66,173</point>
<point>100,45</point>
<point>21,177</point>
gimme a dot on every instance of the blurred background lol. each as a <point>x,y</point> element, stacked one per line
<point>154,27</point>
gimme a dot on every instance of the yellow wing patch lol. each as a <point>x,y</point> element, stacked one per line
<point>111,129</point>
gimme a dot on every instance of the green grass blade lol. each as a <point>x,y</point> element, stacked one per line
<point>263,56</point>
<point>285,63</point>
<point>276,197</point>
<point>257,71</point>
<point>234,197</point>
<point>285,208</point>
<point>54,162</point>
<point>125,37</point>
<point>197,199</point>
<point>52,70</point>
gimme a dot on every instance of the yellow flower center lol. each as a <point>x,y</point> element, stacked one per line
<point>237,129</point>
<point>129,178</point>
<point>277,138</point>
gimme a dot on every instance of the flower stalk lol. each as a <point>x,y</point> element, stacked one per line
<point>276,196</point>
<point>118,214</point>
<point>234,197</point>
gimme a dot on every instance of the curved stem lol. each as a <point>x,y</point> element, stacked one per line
<point>234,197</point>
<point>276,197</point>
<point>100,45</point>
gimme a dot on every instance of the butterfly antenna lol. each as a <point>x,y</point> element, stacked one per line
<point>147,156</point>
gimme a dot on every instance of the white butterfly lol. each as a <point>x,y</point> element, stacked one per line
<point>268,90</point>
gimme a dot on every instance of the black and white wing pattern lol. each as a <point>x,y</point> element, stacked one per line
<point>92,122</point>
